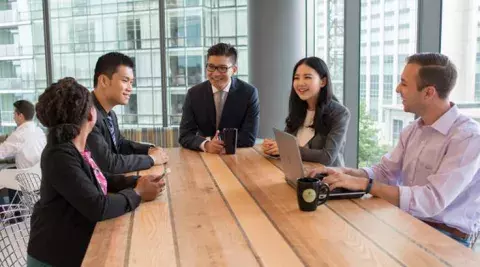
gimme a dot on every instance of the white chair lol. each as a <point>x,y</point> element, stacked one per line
<point>7,176</point>
<point>8,179</point>
<point>30,188</point>
<point>14,235</point>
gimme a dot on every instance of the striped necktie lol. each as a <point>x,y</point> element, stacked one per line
<point>111,129</point>
<point>218,98</point>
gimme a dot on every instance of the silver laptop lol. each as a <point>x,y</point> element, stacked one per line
<point>293,167</point>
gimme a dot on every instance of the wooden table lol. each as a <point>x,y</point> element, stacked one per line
<point>237,210</point>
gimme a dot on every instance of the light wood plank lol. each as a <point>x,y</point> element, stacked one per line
<point>264,238</point>
<point>425,236</point>
<point>108,245</point>
<point>397,245</point>
<point>152,241</point>
<point>155,170</point>
<point>206,231</point>
<point>406,228</point>
<point>321,238</point>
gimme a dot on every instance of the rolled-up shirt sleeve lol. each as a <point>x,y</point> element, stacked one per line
<point>457,170</point>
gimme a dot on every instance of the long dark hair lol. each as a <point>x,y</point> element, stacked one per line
<point>63,108</point>
<point>297,108</point>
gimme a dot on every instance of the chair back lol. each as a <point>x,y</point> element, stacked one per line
<point>29,183</point>
<point>14,234</point>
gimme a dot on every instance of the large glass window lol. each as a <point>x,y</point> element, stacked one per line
<point>461,43</point>
<point>386,40</point>
<point>22,56</point>
<point>328,39</point>
<point>191,30</point>
<point>83,30</point>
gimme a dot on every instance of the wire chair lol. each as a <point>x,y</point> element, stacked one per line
<point>30,188</point>
<point>14,234</point>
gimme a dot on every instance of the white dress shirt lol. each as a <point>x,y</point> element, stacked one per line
<point>26,144</point>
<point>214,90</point>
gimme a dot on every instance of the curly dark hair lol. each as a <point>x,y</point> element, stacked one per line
<point>63,108</point>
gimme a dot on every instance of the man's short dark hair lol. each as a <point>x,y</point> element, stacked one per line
<point>223,49</point>
<point>26,108</point>
<point>108,64</point>
<point>436,70</point>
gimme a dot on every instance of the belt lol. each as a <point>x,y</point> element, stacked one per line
<point>454,231</point>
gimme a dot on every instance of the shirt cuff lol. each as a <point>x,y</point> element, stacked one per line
<point>202,145</point>
<point>370,173</point>
<point>405,193</point>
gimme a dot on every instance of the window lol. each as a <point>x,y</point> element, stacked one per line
<point>22,58</point>
<point>83,30</point>
<point>363,86</point>
<point>190,32</point>
<point>387,89</point>
<point>328,38</point>
<point>378,78</point>
<point>477,87</point>
<point>463,49</point>
<point>397,130</point>
<point>374,80</point>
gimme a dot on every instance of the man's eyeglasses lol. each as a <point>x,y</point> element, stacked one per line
<point>221,69</point>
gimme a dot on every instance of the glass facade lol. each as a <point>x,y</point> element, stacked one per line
<point>388,36</point>
<point>83,30</point>
<point>22,56</point>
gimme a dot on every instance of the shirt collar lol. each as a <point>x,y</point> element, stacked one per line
<point>98,105</point>
<point>227,88</point>
<point>25,125</point>
<point>446,121</point>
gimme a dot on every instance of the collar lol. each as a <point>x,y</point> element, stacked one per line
<point>226,89</point>
<point>25,125</point>
<point>446,121</point>
<point>98,105</point>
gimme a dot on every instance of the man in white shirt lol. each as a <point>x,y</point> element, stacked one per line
<point>26,143</point>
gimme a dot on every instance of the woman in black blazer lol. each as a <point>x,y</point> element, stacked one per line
<point>315,116</point>
<point>73,192</point>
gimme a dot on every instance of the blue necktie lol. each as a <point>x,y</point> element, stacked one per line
<point>111,129</point>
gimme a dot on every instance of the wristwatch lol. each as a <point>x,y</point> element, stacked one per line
<point>369,186</point>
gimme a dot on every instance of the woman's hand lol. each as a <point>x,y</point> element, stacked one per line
<point>270,147</point>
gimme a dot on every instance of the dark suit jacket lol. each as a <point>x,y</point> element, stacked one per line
<point>241,110</point>
<point>328,144</point>
<point>126,156</point>
<point>71,203</point>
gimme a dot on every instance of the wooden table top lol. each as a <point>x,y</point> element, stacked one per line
<point>237,210</point>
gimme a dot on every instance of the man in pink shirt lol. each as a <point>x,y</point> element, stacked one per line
<point>433,172</point>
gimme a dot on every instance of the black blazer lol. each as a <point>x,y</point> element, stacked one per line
<point>241,110</point>
<point>126,156</point>
<point>71,203</point>
<point>328,144</point>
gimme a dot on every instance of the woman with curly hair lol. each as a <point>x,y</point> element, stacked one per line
<point>74,193</point>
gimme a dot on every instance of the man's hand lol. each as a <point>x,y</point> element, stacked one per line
<point>149,186</point>
<point>158,155</point>
<point>215,146</point>
<point>346,181</point>
<point>270,147</point>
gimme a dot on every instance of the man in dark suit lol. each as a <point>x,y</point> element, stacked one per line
<point>220,102</point>
<point>114,154</point>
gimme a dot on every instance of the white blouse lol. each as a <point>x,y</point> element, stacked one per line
<point>306,133</point>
